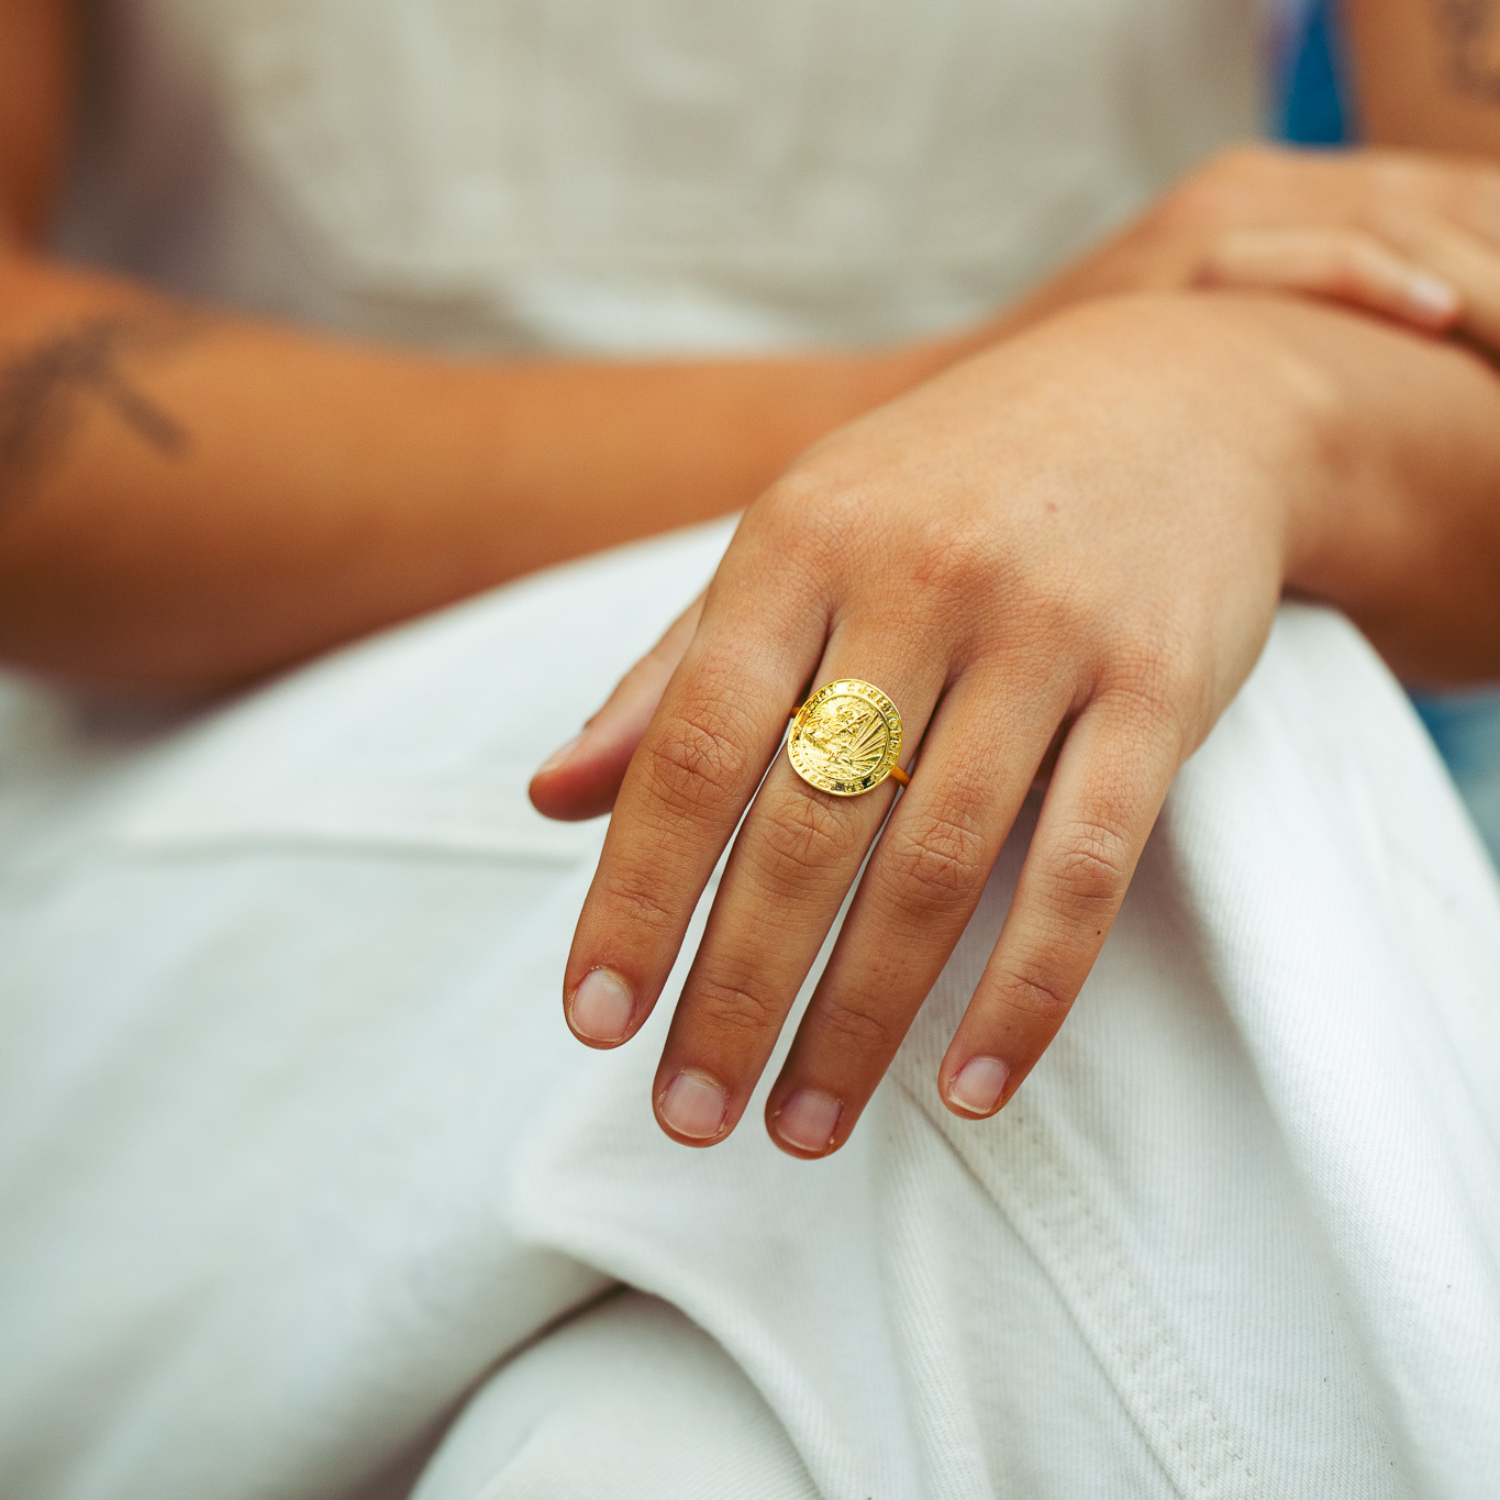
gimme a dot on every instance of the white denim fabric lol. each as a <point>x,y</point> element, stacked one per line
<point>295,1148</point>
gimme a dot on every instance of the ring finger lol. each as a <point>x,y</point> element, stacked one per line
<point>794,859</point>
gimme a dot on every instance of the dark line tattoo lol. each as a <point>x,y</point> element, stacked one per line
<point>44,393</point>
<point>1470,31</point>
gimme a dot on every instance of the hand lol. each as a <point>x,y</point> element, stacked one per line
<point>1412,236</point>
<point>1081,535</point>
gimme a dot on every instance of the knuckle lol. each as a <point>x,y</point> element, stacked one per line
<point>853,1028</point>
<point>1091,868</point>
<point>696,759</point>
<point>938,859</point>
<point>1157,689</point>
<point>1215,196</point>
<point>802,532</point>
<point>724,1007</point>
<point>800,837</point>
<point>1194,207</point>
<point>638,895</point>
<point>1351,263</point>
<point>804,515</point>
<point>952,562</point>
<point>1033,991</point>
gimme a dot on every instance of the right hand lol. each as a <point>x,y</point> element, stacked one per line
<point>1412,236</point>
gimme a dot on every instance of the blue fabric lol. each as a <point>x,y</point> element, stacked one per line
<point>1313,109</point>
<point>1466,730</point>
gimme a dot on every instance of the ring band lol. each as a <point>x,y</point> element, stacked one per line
<point>846,738</point>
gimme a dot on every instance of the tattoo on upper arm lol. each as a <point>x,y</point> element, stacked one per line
<point>1471,42</point>
<point>45,390</point>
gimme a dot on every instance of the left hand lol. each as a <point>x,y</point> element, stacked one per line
<point>1080,535</point>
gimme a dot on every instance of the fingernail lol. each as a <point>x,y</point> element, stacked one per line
<point>1431,295</point>
<point>601,1007</point>
<point>808,1119</point>
<point>694,1106</point>
<point>979,1084</point>
<point>561,754</point>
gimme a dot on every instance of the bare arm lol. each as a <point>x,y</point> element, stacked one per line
<point>187,499</point>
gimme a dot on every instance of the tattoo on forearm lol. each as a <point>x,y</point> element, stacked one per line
<point>45,391</point>
<point>1470,31</point>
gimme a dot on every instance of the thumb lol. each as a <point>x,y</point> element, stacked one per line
<point>582,779</point>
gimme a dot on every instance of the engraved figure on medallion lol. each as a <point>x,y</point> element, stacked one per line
<point>847,739</point>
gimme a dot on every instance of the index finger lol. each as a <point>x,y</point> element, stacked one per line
<point>720,723</point>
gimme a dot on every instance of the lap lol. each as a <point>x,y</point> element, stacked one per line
<point>296,1146</point>
<point>629,1399</point>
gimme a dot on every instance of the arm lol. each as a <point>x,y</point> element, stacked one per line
<point>1427,73</point>
<point>188,499</point>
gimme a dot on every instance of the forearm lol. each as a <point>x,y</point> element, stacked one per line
<point>187,500</point>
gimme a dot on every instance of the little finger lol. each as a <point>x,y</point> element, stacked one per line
<point>1344,264</point>
<point>582,779</point>
<point>1111,779</point>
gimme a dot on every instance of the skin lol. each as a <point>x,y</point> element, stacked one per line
<point>1069,545</point>
<point>205,499</point>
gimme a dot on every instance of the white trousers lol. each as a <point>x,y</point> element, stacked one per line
<point>306,1192</point>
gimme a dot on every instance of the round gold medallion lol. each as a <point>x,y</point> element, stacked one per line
<point>845,738</point>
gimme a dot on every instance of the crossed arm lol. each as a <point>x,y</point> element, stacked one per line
<point>188,499</point>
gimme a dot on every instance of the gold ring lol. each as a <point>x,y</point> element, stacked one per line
<point>845,739</point>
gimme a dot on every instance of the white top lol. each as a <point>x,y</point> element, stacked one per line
<point>650,176</point>
<point>642,175</point>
